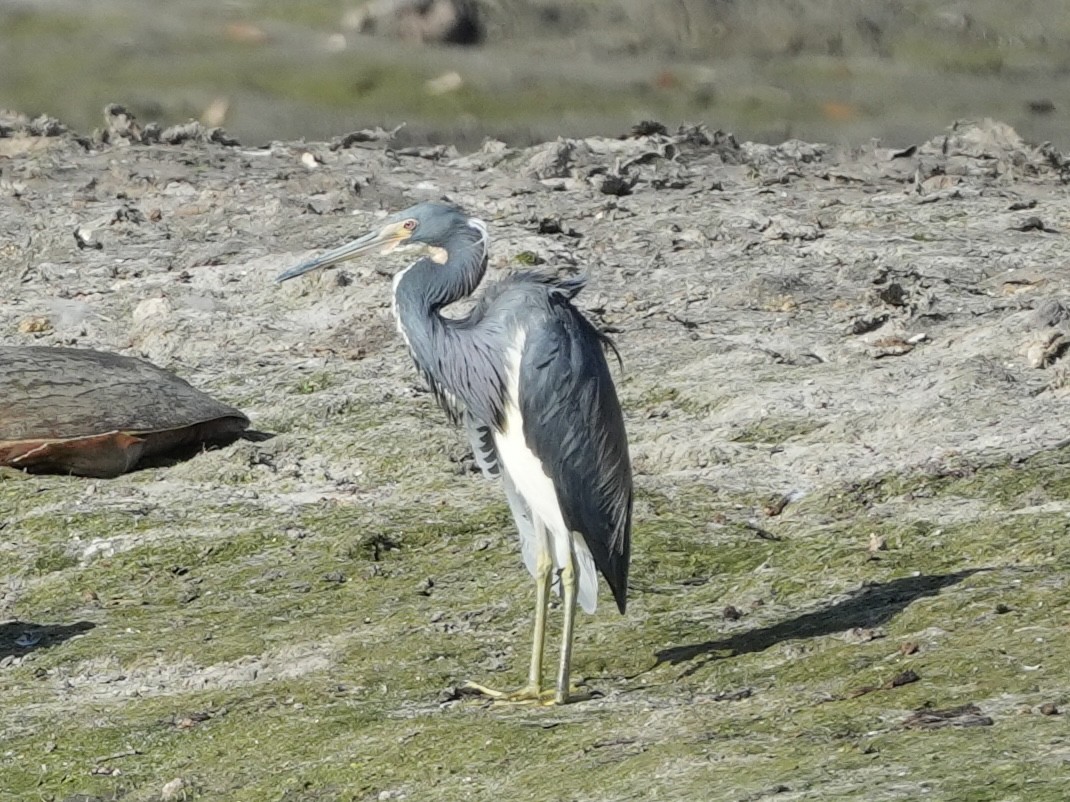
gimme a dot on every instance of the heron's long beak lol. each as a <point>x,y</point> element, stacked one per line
<point>386,239</point>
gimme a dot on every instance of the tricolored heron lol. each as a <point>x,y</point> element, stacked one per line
<point>526,374</point>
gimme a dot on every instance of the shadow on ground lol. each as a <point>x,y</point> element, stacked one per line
<point>185,452</point>
<point>870,606</point>
<point>22,637</point>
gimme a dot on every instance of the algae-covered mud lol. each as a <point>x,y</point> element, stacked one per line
<point>845,385</point>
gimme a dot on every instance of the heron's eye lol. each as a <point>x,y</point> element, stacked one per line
<point>409,225</point>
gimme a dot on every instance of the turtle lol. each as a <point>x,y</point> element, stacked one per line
<point>96,413</point>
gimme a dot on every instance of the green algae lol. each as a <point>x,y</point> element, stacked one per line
<point>313,654</point>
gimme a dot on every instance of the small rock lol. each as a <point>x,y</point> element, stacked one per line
<point>552,160</point>
<point>893,294</point>
<point>444,84</point>
<point>864,325</point>
<point>648,128</point>
<point>151,308</point>
<point>616,183</point>
<point>34,325</point>
<point>451,694</point>
<point>173,790</point>
<point>891,346</point>
<point>1049,313</point>
<point>733,696</point>
<point>968,715</point>
<point>1049,709</point>
<point>1034,224</point>
<point>905,678</point>
<point>863,634</point>
<point>774,506</point>
<point>1046,349</point>
<point>85,238</point>
<point>121,124</point>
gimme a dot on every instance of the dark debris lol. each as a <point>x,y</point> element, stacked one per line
<point>963,716</point>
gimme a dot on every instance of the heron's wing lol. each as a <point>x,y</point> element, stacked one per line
<point>573,424</point>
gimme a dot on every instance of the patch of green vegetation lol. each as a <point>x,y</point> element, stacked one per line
<point>54,559</point>
<point>314,383</point>
<point>653,396</point>
<point>50,542</point>
<point>657,396</point>
<point>528,258</point>
<point>1042,478</point>
<point>776,430</point>
<point>972,57</point>
<point>308,654</point>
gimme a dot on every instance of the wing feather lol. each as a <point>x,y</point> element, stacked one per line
<point>481,438</point>
<point>573,423</point>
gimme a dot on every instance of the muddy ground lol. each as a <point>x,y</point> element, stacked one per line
<point>845,378</point>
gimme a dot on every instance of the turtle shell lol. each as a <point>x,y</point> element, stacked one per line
<point>93,413</point>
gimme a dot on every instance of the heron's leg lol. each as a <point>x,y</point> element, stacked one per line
<point>544,570</point>
<point>569,586</point>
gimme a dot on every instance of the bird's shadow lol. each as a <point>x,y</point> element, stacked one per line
<point>869,606</point>
<point>22,637</point>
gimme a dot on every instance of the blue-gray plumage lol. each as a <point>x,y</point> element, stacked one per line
<point>525,373</point>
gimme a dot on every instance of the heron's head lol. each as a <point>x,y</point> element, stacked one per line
<point>427,225</point>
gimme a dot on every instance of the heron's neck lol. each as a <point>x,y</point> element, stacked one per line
<point>446,350</point>
<point>426,286</point>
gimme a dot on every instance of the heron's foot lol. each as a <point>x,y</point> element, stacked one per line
<point>529,695</point>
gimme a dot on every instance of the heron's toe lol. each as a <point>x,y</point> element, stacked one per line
<point>526,695</point>
<point>530,695</point>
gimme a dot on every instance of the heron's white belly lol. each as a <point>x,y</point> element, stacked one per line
<point>531,480</point>
<point>537,489</point>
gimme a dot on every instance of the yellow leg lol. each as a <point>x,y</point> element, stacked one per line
<point>544,566</point>
<point>569,584</point>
